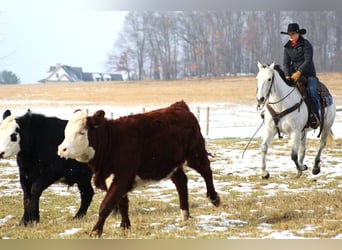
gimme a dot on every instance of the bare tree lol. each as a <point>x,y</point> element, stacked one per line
<point>169,45</point>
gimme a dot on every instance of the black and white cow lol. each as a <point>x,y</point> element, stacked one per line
<point>34,138</point>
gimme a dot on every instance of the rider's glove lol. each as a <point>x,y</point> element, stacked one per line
<point>296,75</point>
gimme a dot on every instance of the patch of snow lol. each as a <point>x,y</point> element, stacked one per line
<point>6,219</point>
<point>70,231</point>
<point>226,120</point>
<point>282,235</point>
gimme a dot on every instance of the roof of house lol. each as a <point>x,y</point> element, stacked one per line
<point>76,74</point>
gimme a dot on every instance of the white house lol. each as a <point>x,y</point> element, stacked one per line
<point>65,73</point>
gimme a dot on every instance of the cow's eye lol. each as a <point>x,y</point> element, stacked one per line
<point>14,137</point>
<point>81,132</point>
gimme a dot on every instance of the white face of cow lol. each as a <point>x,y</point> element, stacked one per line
<point>9,137</point>
<point>76,143</point>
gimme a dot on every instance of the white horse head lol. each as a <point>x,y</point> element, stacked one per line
<point>264,82</point>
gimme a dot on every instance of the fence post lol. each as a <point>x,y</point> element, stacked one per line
<point>198,113</point>
<point>207,122</point>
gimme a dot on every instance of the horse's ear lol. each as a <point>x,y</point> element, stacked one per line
<point>272,66</point>
<point>260,66</point>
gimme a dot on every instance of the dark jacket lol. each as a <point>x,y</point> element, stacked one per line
<point>299,58</point>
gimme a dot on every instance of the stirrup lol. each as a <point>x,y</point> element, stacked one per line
<point>314,121</point>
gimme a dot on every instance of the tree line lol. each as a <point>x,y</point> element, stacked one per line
<point>180,44</point>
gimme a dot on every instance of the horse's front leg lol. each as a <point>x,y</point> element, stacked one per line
<point>302,151</point>
<point>295,142</point>
<point>268,137</point>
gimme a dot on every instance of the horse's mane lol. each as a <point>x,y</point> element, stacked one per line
<point>282,75</point>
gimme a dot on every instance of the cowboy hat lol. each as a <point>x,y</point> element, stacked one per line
<point>294,27</point>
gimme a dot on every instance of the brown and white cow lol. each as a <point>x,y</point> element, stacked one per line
<point>138,148</point>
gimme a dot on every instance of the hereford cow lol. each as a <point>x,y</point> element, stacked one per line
<point>136,149</point>
<point>34,139</point>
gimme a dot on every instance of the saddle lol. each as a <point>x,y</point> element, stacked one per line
<point>325,99</point>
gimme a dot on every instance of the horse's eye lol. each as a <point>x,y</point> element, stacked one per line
<point>269,79</point>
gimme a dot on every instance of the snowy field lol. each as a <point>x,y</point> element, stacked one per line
<point>226,121</point>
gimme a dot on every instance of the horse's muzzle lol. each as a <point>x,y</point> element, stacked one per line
<point>261,100</point>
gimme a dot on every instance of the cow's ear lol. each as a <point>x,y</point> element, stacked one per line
<point>29,112</point>
<point>6,114</point>
<point>98,118</point>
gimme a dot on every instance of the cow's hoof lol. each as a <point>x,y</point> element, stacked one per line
<point>316,171</point>
<point>216,202</point>
<point>266,177</point>
<point>95,233</point>
<point>184,215</point>
<point>125,224</point>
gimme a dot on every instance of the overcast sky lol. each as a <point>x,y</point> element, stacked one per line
<point>35,37</point>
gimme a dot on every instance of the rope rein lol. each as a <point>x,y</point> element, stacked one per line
<point>276,116</point>
<point>250,139</point>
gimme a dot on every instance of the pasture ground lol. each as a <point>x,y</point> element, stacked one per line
<point>232,89</point>
<point>281,207</point>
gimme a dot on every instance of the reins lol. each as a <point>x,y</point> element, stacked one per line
<point>277,115</point>
<point>282,99</point>
<point>250,139</point>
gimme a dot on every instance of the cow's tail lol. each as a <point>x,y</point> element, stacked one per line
<point>211,154</point>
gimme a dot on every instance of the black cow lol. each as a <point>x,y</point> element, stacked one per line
<point>34,138</point>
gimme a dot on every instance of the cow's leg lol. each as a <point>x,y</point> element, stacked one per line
<point>180,180</point>
<point>123,208</point>
<point>86,192</point>
<point>37,188</point>
<point>113,197</point>
<point>32,205</point>
<point>201,164</point>
<point>26,187</point>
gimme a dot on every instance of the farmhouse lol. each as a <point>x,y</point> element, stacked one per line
<point>65,73</point>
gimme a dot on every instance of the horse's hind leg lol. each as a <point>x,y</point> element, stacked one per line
<point>323,142</point>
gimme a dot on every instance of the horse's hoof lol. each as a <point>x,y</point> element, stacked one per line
<point>299,174</point>
<point>304,168</point>
<point>266,176</point>
<point>316,171</point>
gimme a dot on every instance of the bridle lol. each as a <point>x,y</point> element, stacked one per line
<point>269,93</point>
<point>277,115</point>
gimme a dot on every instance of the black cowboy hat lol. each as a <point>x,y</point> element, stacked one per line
<point>294,27</point>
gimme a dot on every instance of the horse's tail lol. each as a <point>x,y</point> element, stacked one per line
<point>331,139</point>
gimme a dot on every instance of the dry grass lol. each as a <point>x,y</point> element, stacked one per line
<point>232,89</point>
<point>319,209</point>
<point>241,214</point>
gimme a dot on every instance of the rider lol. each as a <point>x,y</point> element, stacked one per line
<point>298,61</point>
